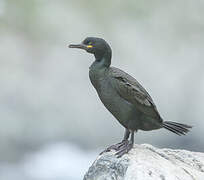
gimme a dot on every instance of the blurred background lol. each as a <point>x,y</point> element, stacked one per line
<point>53,125</point>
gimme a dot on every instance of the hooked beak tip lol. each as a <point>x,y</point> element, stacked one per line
<point>71,45</point>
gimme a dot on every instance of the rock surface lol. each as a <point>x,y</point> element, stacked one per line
<point>146,162</point>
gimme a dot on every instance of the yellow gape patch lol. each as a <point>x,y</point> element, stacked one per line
<point>89,46</point>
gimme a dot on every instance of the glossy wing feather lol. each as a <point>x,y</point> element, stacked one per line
<point>130,90</point>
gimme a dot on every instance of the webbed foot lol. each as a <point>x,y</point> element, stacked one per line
<point>124,149</point>
<point>116,147</point>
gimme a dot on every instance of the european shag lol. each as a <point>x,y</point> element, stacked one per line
<point>124,97</point>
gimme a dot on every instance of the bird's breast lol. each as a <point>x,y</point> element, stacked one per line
<point>97,78</point>
<point>119,108</point>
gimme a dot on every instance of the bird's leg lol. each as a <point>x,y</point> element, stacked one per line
<point>126,148</point>
<point>120,144</point>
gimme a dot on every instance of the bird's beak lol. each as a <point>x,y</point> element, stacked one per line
<point>80,46</point>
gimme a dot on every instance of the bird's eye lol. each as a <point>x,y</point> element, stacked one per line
<point>89,44</point>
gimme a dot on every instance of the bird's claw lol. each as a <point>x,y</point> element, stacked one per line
<point>116,147</point>
<point>125,149</point>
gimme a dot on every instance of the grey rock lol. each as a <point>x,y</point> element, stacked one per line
<point>145,162</point>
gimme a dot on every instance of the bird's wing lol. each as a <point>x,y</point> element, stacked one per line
<point>130,90</point>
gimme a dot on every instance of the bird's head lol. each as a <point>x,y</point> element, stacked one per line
<point>97,46</point>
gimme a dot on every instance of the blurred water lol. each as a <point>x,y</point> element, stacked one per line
<point>59,161</point>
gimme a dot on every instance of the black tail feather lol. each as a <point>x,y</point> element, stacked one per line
<point>179,124</point>
<point>177,128</point>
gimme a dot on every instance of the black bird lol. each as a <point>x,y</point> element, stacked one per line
<point>123,96</point>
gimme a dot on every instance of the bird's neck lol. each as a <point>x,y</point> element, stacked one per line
<point>103,60</point>
<point>98,69</point>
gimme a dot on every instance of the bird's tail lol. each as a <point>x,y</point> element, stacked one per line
<point>177,128</point>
